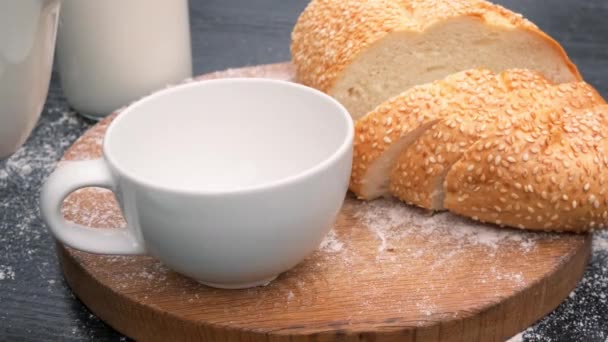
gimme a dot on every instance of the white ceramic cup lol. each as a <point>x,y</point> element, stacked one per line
<point>27,41</point>
<point>230,182</point>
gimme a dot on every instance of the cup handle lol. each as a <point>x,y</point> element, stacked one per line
<point>67,178</point>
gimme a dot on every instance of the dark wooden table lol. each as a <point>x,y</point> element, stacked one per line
<point>37,305</point>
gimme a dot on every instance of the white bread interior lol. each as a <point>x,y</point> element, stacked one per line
<point>403,59</point>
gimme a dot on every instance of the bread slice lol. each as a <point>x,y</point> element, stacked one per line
<point>382,135</point>
<point>420,171</point>
<point>548,171</point>
<point>364,52</point>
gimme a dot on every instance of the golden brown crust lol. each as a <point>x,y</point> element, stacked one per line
<point>546,172</point>
<point>329,35</point>
<point>395,119</point>
<point>420,170</point>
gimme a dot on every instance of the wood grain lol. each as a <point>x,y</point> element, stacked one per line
<point>390,273</point>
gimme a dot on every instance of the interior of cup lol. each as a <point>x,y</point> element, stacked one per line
<point>227,135</point>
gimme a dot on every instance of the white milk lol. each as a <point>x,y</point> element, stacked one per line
<point>27,41</point>
<point>113,52</point>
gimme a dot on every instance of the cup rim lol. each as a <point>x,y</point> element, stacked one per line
<point>344,147</point>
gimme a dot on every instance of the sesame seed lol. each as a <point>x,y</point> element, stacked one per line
<point>574,204</point>
<point>535,170</point>
<point>387,140</point>
<point>586,187</point>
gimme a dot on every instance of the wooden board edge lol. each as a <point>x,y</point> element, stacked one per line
<point>113,308</point>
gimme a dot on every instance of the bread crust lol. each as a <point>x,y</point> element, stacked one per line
<point>547,172</point>
<point>424,105</point>
<point>419,172</point>
<point>329,34</point>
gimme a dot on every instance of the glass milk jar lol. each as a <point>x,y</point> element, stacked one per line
<point>112,52</point>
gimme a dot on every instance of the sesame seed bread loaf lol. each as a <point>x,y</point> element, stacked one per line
<point>546,172</point>
<point>363,52</point>
<point>383,134</point>
<point>418,175</point>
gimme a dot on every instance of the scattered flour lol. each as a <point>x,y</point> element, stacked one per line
<point>427,306</point>
<point>391,221</point>
<point>7,273</point>
<point>330,243</point>
<point>600,241</point>
<point>517,338</point>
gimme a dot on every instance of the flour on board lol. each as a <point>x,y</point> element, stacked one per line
<point>391,221</point>
<point>331,243</point>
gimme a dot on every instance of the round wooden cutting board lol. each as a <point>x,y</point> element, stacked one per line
<point>386,272</point>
